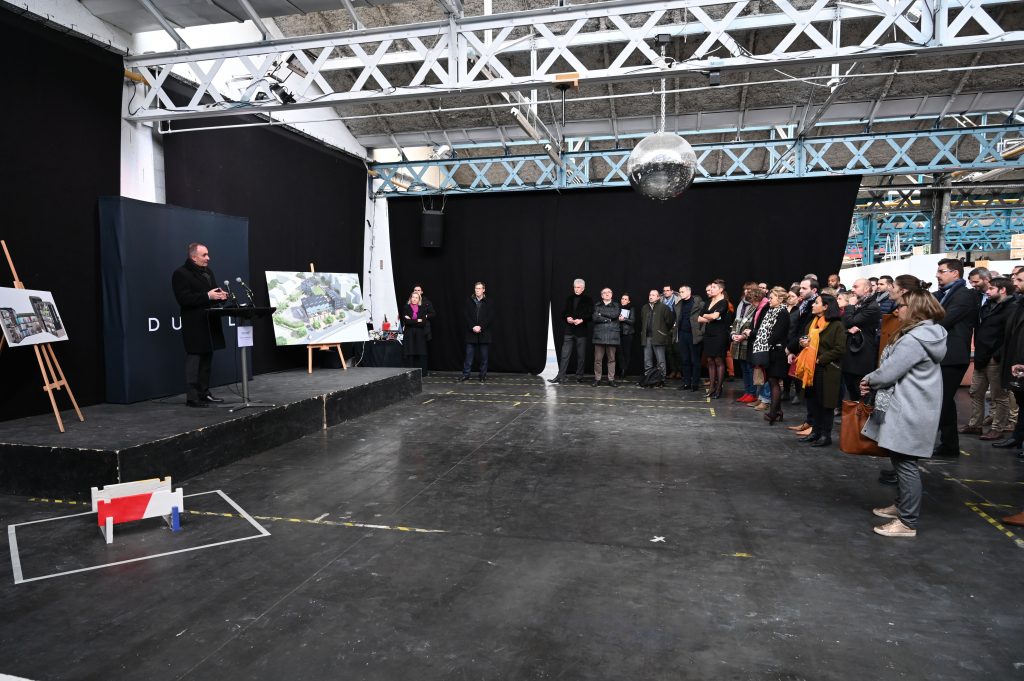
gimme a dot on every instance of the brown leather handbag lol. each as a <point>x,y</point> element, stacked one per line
<point>855,415</point>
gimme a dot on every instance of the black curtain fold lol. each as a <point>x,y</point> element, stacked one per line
<point>502,240</point>
<point>766,231</point>
<point>53,171</point>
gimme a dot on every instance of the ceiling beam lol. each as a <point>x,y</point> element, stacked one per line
<point>565,32</point>
<point>164,24</point>
<point>250,11</point>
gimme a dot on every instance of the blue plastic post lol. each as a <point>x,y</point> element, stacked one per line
<point>175,519</point>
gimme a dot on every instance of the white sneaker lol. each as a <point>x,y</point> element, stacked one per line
<point>887,512</point>
<point>896,528</point>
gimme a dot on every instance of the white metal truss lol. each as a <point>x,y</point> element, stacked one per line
<point>913,152</point>
<point>483,54</point>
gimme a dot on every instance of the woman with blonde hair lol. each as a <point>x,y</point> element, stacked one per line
<point>414,335</point>
<point>908,399</point>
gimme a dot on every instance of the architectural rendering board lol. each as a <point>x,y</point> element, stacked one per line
<point>317,308</point>
<point>30,317</point>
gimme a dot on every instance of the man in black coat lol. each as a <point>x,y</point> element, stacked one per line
<point>577,313</point>
<point>1012,360</point>
<point>962,304</point>
<point>988,349</point>
<point>479,317</point>
<point>861,322</point>
<point>800,322</point>
<point>196,291</point>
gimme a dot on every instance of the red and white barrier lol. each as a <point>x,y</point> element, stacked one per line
<point>130,501</point>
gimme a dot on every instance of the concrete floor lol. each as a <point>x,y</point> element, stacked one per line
<point>514,530</point>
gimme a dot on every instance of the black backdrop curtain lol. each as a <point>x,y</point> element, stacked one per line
<point>305,203</point>
<point>502,240</point>
<point>54,168</point>
<point>769,231</point>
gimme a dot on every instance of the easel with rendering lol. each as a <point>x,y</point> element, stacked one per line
<point>327,346</point>
<point>49,367</point>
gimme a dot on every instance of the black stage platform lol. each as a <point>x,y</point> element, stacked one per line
<point>118,443</point>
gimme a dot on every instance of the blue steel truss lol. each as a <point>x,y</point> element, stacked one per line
<point>909,152</point>
<point>966,230</point>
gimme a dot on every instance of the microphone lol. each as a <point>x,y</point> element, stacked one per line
<point>248,291</point>
<point>232,298</point>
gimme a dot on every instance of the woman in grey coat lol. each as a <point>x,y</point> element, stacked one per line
<point>908,399</point>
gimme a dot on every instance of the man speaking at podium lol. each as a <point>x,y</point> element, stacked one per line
<point>196,290</point>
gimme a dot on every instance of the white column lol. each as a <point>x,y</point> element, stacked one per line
<point>378,276</point>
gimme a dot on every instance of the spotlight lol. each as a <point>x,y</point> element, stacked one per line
<point>282,95</point>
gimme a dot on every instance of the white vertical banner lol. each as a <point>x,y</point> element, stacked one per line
<point>378,277</point>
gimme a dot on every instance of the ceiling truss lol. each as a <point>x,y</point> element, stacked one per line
<point>455,57</point>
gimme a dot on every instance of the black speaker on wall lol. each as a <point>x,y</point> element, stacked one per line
<point>431,229</point>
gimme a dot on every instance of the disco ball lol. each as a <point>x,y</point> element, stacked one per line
<point>661,166</point>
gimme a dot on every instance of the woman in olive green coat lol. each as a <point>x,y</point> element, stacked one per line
<point>822,358</point>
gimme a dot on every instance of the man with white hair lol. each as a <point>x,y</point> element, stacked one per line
<point>577,313</point>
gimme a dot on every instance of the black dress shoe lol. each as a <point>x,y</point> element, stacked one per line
<point>595,384</point>
<point>483,379</point>
<point>683,387</point>
<point>197,404</point>
<point>556,379</point>
<point>1008,443</point>
<point>613,384</point>
<point>694,388</point>
<point>823,442</point>
<point>211,398</point>
<point>813,437</point>
<point>460,379</point>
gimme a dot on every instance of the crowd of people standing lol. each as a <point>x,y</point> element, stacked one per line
<point>891,341</point>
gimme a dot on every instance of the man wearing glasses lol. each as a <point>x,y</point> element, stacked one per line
<point>669,297</point>
<point>962,304</point>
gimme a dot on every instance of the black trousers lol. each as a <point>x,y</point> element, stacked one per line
<point>568,343</point>
<point>623,356</point>
<point>197,375</point>
<point>852,384</point>
<point>949,437</point>
<point>822,417</point>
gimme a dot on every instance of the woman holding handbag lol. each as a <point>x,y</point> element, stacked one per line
<point>768,351</point>
<point>818,367</point>
<point>908,398</point>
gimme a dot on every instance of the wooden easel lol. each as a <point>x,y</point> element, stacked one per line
<point>49,367</point>
<point>328,346</point>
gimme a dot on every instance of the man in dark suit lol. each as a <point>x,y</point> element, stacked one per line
<point>1013,358</point>
<point>196,291</point>
<point>861,322</point>
<point>479,316</point>
<point>800,321</point>
<point>962,304</point>
<point>988,350</point>
<point>578,314</point>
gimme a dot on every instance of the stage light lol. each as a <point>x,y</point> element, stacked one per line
<point>282,95</point>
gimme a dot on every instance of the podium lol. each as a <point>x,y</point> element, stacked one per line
<point>244,317</point>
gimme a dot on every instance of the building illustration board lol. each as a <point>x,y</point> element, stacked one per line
<point>30,317</point>
<point>317,307</point>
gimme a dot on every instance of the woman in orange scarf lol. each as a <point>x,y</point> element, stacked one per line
<point>819,367</point>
